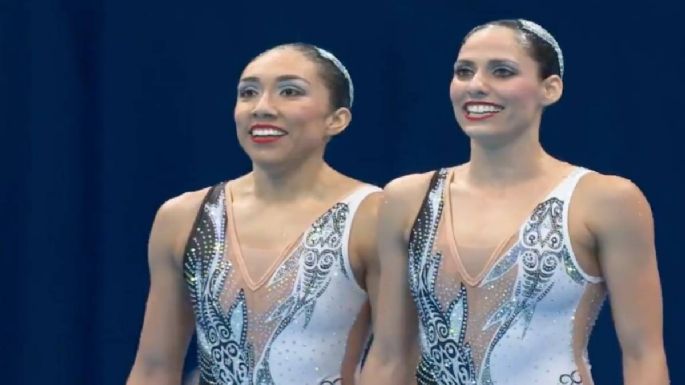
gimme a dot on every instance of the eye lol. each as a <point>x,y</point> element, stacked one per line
<point>503,72</point>
<point>246,92</point>
<point>463,72</point>
<point>291,91</point>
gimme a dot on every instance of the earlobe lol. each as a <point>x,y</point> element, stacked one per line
<point>338,121</point>
<point>553,89</point>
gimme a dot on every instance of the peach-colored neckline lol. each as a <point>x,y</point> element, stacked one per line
<point>234,244</point>
<point>232,236</point>
<point>499,252</point>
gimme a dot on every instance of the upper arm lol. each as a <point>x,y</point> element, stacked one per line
<point>621,221</point>
<point>168,321</point>
<point>395,319</point>
<point>364,237</point>
<point>394,353</point>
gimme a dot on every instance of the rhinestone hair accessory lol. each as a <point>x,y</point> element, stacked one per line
<point>542,33</point>
<point>338,64</point>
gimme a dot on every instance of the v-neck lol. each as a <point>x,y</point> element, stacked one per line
<point>287,251</point>
<point>501,250</point>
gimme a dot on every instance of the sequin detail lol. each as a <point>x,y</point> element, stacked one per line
<point>224,355</point>
<point>445,356</point>
<point>539,268</point>
<point>538,255</point>
<point>318,259</point>
<point>246,337</point>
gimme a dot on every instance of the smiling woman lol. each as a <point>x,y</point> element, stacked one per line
<point>509,257</point>
<point>274,269</point>
<point>312,93</point>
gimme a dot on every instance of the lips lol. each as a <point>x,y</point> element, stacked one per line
<point>266,133</point>
<point>475,111</point>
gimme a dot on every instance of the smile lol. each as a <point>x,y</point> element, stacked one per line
<point>480,111</point>
<point>266,132</point>
<point>262,133</point>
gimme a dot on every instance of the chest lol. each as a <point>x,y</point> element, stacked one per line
<point>485,220</point>
<point>272,227</point>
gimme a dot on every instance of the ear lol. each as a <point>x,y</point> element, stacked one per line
<point>338,121</point>
<point>552,88</point>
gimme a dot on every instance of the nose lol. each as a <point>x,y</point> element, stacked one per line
<point>477,86</point>
<point>263,107</point>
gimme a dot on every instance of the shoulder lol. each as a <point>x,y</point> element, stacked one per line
<point>402,201</point>
<point>408,188</point>
<point>363,196</point>
<point>367,201</point>
<point>181,206</point>
<point>612,200</point>
<point>366,215</point>
<point>174,221</point>
<point>609,191</point>
<point>370,202</point>
<point>364,224</point>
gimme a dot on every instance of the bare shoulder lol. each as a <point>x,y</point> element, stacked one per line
<point>365,225</point>
<point>408,188</point>
<point>366,215</point>
<point>174,220</point>
<point>613,200</point>
<point>368,208</point>
<point>180,207</point>
<point>611,191</point>
<point>402,201</point>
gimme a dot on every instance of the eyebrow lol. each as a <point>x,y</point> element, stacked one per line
<point>492,62</point>
<point>282,78</point>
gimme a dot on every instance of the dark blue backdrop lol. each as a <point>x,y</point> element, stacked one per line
<point>109,107</point>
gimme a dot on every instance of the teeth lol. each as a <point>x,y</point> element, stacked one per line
<point>266,132</point>
<point>482,108</point>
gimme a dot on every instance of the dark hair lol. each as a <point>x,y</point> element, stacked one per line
<point>336,81</point>
<point>538,48</point>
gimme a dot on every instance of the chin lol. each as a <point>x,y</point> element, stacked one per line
<point>267,160</point>
<point>265,156</point>
<point>479,129</point>
<point>487,136</point>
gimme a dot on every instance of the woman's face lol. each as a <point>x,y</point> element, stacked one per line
<point>496,90</point>
<point>282,112</point>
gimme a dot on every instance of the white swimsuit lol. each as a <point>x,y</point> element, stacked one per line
<point>524,320</point>
<point>288,327</point>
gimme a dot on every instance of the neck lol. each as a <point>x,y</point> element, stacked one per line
<point>289,182</point>
<point>517,160</point>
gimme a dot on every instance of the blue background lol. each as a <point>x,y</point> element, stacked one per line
<point>110,107</point>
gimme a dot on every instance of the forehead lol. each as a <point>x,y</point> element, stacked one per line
<point>281,61</point>
<point>494,42</point>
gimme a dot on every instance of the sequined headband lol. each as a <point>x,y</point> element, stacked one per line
<point>542,33</point>
<point>338,64</point>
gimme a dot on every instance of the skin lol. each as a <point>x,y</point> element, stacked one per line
<point>610,222</point>
<point>284,89</point>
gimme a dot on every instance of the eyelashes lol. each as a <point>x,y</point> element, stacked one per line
<point>246,92</point>
<point>504,72</point>
<point>466,72</point>
<point>288,91</point>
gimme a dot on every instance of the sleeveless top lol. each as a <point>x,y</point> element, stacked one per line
<point>291,326</point>
<point>525,319</point>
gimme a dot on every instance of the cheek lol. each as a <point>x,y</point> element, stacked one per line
<point>307,111</point>
<point>304,113</point>
<point>306,117</point>
<point>521,93</point>
<point>241,114</point>
<point>456,90</point>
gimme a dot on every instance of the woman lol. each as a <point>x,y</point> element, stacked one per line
<point>510,255</point>
<point>272,268</point>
